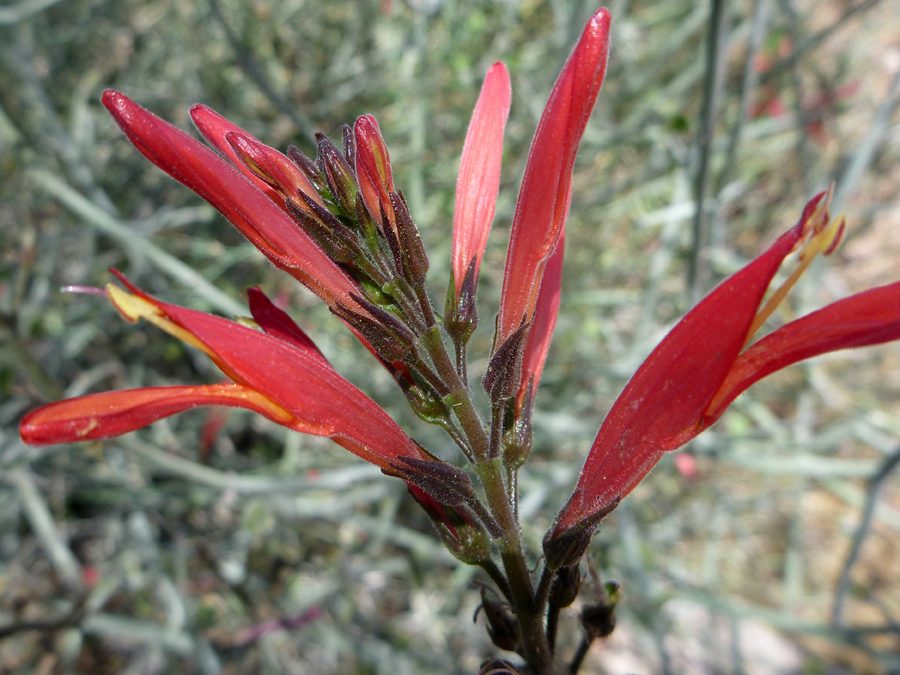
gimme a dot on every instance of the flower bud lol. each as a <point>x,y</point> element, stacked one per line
<point>271,166</point>
<point>599,619</point>
<point>565,586</point>
<point>502,626</point>
<point>501,381</point>
<point>338,175</point>
<point>312,172</point>
<point>414,258</point>
<point>461,313</point>
<point>373,168</point>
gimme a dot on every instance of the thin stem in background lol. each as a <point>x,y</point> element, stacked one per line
<point>749,87</point>
<point>875,484</point>
<point>698,272</point>
<point>868,149</point>
<point>803,47</point>
<point>258,76</point>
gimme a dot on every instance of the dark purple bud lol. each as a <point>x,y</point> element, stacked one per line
<point>599,619</point>
<point>349,145</point>
<point>501,381</point>
<point>309,168</point>
<point>328,232</point>
<point>415,260</point>
<point>461,314</point>
<point>393,242</point>
<point>502,626</point>
<point>565,586</point>
<point>338,175</point>
<point>570,545</point>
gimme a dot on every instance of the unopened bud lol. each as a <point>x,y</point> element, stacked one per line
<point>502,626</point>
<point>373,167</point>
<point>337,240</point>
<point>599,619</point>
<point>565,586</point>
<point>308,166</point>
<point>349,144</point>
<point>501,381</point>
<point>461,313</point>
<point>415,260</point>
<point>338,174</point>
<point>271,166</point>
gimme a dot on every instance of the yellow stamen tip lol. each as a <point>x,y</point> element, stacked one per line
<point>130,306</point>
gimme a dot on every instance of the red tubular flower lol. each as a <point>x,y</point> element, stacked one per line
<point>278,373</point>
<point>546,188</point>
<point>214,127</point>
<point>373,169</point>
<point>704,363</point>
<point>545,312</point>
<point>479,173</point>
<point>241,201</point>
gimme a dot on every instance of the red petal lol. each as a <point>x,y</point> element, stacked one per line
<point>546,188</point>
<point>318,399</point>
<point>373,167</point>
<point>661,407</point>
<point>214,127</point>
<point>258,218</point>
<point>271,166</point>
<point>278,323</point>
<point>479,173</point>
<point>868,318</point>
<point>545,312</point>
<point>115,413</point>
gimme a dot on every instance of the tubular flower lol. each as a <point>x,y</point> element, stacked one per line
<point>704,363</point>
<point>247,204</point>
<point>292,385</point>
<point>479,174</point>
<point>543,202</point>
<point>545,312</point>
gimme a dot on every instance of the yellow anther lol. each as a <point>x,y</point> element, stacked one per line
<point>247,322</point>
<point>824,238</point>
<point>134,307</point>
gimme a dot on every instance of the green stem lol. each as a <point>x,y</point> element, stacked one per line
<point>530,615</point>
<point>490,472</point>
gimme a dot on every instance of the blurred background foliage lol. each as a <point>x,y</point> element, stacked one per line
<point>769,545</point>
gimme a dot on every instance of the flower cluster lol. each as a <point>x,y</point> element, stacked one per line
<point>338,224</point>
